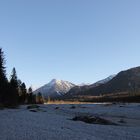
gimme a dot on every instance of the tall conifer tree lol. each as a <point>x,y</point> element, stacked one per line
<point>14,87</point>
<point>3,79</point>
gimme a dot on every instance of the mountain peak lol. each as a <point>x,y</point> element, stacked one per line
<point>55,88</point>
<point>54,81</point>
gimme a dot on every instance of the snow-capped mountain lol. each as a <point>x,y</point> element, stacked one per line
<point>105,80</point>
<point>55,88</point>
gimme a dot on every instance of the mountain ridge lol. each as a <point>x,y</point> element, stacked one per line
<point>124,81</point>
<point>56,88</point>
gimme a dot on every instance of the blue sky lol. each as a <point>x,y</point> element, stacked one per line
<point>75,40</point>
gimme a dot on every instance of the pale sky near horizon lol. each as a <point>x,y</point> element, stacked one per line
<point>81,41</point>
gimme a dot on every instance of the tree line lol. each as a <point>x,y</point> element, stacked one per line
<point>13,91</point>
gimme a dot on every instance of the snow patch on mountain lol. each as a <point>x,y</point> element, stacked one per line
<point>106,79</point>
<point>103,81</point>
<point>84,84</point>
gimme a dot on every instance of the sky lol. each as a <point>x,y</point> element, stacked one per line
<point>81,41</point>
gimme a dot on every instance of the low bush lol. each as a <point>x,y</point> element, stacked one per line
<point>33,107</point>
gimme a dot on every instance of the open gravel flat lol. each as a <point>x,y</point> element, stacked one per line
<point>54,122</point>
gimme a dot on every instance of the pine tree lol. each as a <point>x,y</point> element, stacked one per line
<point>3,79</point>
<point>23,93</point>
<point>39,98</point>
<point>2,67</point>
<point>14,88</point>
<point>30,95</point>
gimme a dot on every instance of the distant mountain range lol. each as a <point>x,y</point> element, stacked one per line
<point>56,88</point>
<point>123,81</point>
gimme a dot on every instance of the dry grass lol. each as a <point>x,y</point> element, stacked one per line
<point>65,102</point>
